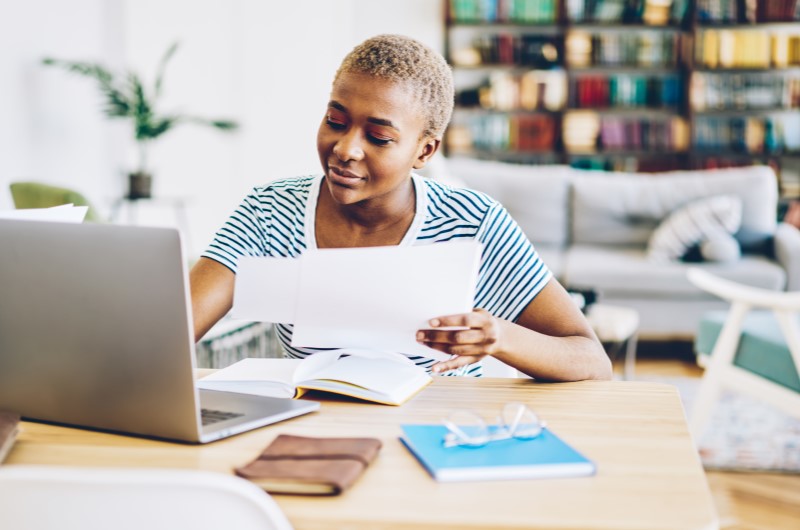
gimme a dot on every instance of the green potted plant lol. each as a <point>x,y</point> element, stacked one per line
<point>126,97</point>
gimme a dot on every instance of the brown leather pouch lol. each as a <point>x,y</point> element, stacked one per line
<point>311,466</point>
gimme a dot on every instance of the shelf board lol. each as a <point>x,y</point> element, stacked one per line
<point>507,155</point>
<point>751,111</point>
<point>551,27</point>
<point>621,26</point>
<point>639,153</point>
<point>730,153</point>
<point>778,25</point>
<point>767,70</point>
<point>653,111</point>
<point>624,69</point>
<point>483,111</point>
<point>506,66</point>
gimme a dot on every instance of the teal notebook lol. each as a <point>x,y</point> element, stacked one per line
<point>546,456</point>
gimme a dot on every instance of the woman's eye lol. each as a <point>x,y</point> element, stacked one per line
<point>379,140</point>
<point>337,125</point>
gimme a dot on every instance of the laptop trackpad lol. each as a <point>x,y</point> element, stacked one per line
<point>238,412</point>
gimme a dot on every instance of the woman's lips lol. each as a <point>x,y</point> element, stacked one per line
<point>342,176</point>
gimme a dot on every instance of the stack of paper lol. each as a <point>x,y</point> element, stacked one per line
<point>66,213</point>
<point>372,298</point>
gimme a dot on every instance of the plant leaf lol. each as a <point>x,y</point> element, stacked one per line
<point>156,127</point>
<point>117,103</point>
<point>162,66</point>
<point>224,125</point>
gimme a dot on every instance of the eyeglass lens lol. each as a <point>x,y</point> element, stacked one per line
<point>521,421</point>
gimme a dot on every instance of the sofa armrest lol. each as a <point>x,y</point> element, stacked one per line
<point>787,252</point>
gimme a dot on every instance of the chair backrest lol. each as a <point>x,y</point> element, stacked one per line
<point>66,498</point>
<point>40,195</point>
<point>723,370</point>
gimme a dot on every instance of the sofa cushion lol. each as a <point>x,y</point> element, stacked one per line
<point>553,256</point>
<point>536,196</point>
<point>625,271</point>
<point>624,208</point>
<point>696,222</point>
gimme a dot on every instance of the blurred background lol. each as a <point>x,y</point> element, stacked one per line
<point>266,65</point>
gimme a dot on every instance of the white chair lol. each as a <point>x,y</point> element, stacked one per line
<point>721,372</point>
<point>71,498</point>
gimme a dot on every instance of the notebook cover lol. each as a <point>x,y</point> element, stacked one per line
<point>309,465</point>
<point>546,456</point>
<point>9,422</point>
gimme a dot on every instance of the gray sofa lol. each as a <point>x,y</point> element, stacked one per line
<point>592,229</point>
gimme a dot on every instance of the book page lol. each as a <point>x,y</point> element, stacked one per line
<point>377,377</point>
<point>261,377</point>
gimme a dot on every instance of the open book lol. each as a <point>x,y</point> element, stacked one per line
<point>383,377</point>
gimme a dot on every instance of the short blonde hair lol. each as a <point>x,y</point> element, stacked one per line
<point>403,59</point>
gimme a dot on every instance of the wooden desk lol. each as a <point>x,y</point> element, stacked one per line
<point>649,475</point>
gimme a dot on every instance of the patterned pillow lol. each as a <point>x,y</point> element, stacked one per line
<point>720,247</point>
<point>694,223</point>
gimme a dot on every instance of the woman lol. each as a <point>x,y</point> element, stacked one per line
<point>390,102</point>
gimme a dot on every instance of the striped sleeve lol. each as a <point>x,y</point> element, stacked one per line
<point>245,233</point>
<point>511,273</point>
<point>270,221</point>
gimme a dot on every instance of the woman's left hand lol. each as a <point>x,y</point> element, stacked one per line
<point>477,335</point>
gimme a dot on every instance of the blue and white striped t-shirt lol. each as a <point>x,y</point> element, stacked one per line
<point>277,220</point>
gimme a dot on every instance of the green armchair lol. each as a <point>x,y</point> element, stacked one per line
<point>39,195</point>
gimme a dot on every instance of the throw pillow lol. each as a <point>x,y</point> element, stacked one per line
<point>693,223</point>
<point>720,247</point>
<point>756,242</point>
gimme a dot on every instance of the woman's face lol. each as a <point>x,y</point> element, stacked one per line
<point>371,138</point>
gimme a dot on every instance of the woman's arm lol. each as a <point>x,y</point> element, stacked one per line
<point>551,339</point>
<point>211,286</point>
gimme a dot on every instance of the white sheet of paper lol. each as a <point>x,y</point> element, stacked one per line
<point>378,297</point>
<point>266,289</point>
<point>67,213</point>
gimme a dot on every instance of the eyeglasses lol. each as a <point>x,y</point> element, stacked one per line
<point>468,429</point>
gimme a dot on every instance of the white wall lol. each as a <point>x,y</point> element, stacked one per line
<point>50,125</point>
<point>266,64</point>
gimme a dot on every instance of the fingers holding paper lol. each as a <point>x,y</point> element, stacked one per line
<point>468,337</point>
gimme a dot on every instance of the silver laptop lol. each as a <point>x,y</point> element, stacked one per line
<point>96,331</point>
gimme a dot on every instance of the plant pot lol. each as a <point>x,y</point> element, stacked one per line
<point>140,185</point>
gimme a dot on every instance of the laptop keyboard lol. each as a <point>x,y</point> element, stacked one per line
<point>209,416</point>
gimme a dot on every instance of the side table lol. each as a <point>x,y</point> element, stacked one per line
<point>131,207</point>
<point>619,326</point>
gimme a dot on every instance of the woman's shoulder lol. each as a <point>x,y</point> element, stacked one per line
<point>450,199</point>
<point>290,185</point>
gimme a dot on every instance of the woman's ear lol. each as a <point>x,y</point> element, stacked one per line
<point>427,149</point>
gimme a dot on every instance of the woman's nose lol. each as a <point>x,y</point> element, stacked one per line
<point>348,147</point>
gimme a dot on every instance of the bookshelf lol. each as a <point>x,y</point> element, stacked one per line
<point>633,85</point>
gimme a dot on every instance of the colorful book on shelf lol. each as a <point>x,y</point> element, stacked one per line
<point>382,377</point>
<point>9,428</point>
<point>546,456</point>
